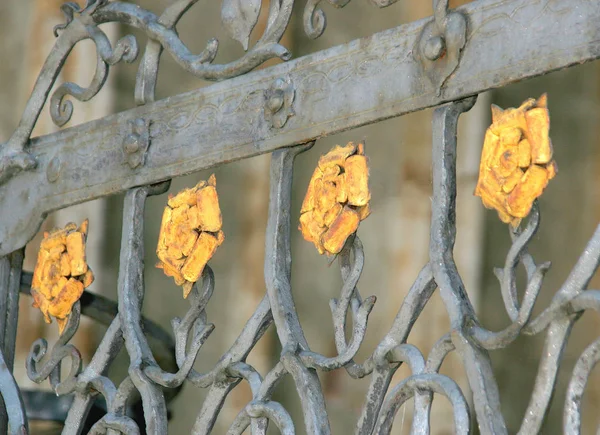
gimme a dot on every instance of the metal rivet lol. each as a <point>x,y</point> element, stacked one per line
<point>53,169</point>
<point>132,143</point>
<point>275,102</point>
<point>136,143</point>
<point>434,48</point>
<point>278,104</point>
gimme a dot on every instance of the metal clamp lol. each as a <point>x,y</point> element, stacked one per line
<point>136,144</point>
<point>440,44</point>
<point>278,102</point>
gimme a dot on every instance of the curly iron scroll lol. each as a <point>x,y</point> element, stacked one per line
<point>156,373</point>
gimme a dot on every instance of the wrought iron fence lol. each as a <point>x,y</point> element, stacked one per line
<point>442,62</point>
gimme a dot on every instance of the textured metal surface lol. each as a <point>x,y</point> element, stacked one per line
<point>442,61</point>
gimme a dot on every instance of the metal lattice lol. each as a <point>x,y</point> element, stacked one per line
<point>444,61</point>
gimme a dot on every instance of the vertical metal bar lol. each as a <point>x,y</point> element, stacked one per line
<point>131,294</point>
<point>278,262</point>
<point>13,410</point>
<point>12,415</point>
<point>443,235</point>
<point>4,290</point>
<point>12,307</point>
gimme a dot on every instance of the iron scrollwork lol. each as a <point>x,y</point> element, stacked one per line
<point>82,23</point>
<point>439,48</point>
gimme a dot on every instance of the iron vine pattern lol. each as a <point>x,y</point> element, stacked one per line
<point>438,52</point>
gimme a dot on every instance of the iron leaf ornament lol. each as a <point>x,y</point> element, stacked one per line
<point>239,18</point>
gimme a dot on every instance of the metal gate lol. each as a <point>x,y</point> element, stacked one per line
<point>442,62</point>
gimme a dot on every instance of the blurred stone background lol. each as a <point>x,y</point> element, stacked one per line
<point>395,236</point>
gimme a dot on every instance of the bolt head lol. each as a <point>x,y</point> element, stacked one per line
<point>434,48</point>
<point>275,102</point>
<point>132,144</point>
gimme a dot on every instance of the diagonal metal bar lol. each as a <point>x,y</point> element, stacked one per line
<point>372,79</point>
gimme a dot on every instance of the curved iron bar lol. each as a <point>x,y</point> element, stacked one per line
<point>121,424</point>
<point>131,294</point>
<point>147,75</point>
<point>11,272</point>
<point>314,18</point>
<point>195,317</point>
<point>39,371</point>
<point>276,413</point>
<point>435,359</point>
<point>496,340</point>
<point>254,329</point>
<point>105,312</point>
<point>411,355</point>
<point>518,254</point>
<point>13,157</point>
<point>125,49</point>
<point>193,320</point>
<point>558,331</point>
<point>82,24</point>
<point>260,395</point>
<point>349,298</point>
<point>247,372</point>
<point>218,391</point>
<point>438,354</point>
<point>12,400</point>
<point>585,300</point>
<point>420,383</point>
<point>264,49</point>
<point>382,370</point>
<point>267,47</point>
<point>277,278</point>
<point>272,411</point>
<point>92,377</point>
<point>218,380</point>
<point>443,235</point>
<point>581,373</point>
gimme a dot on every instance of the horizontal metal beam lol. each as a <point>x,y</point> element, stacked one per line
<point>344,87</point>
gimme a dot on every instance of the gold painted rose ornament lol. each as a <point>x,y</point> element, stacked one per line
<point>337,198</point>
<point>61,272</point>
<point>516,160</point>
<point>190,233</point>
